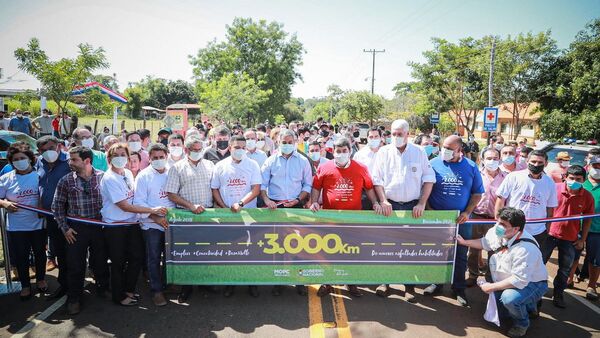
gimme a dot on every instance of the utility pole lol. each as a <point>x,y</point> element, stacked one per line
<point>373,51</point>
<point>491,81</point>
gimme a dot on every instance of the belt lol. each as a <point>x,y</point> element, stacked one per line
<point>403,203</point>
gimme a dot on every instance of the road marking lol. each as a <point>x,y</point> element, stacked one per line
<point>223,243</point>
<point>41,317</point>
<point>428,244</point>
<point>367,243</point>
<point>409,243</point>
<point>245,243</point>
<point>388,244</point>
<point>341,318</point>
<point>202,243</point>
<point>315,313</point>
<point>181,243</point>
<point>583,301</point>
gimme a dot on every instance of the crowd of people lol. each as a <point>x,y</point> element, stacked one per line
<point>109,194</point>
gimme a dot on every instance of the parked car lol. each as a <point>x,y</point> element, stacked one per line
<point>9,137</point>
<point>578,152</point>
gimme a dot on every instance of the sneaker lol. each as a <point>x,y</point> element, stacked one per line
<point>409,293</point>
<point>383,290</point>
<point>517,331</point>
<point>591,294</point>
<point>51,265</point>
<point>461,298</point>
<point>73,308</point>
<point>559,301</point>
<point>432,289</point>
<point>159,299</point>
<point>354,291</point>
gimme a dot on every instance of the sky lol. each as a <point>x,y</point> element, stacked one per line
<point>155,37</point>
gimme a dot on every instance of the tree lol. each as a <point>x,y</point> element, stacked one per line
<point>362,105</point>
<point>106,80</point>
<point>96,102</point>
<point>232,98</point>
<point>58,78</point>
<point>160,93</point>
<point>263,51</point>
<point>135,101</point>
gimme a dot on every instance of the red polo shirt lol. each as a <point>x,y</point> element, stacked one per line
<point>342,187</point>
<point>582,202</point>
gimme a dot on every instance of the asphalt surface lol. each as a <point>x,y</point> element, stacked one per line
<point>291,315</point>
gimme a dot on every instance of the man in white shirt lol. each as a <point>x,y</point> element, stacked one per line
<point>253,152</point>
<point>518,272</point>
<point>368,154</point>
<point>235,185</point>
<point>403,179</point>
<point>175,144</point>
<point>532,191</point>
<point>150,192</point>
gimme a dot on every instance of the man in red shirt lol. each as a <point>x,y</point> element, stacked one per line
<point>572,201</point>
<point>342,181</point>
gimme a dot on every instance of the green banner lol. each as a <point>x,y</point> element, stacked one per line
<point>297,246</point>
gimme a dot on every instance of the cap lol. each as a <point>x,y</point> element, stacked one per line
<point>595,159</point>
<point>165,130</point>
<point>563,155</point>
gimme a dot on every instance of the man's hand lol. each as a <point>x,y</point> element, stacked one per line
<point>487,287</point>
<point>386,208</point>
<point>162,221</point>
<point>197,209</point>
<point>70,236</point>
<point>463,217</point>
<point>579,244</point>
<point>378,209</point>
<point>418,210</point>
<point>315,207</point>
<point>159,211</point>
<point>291,203</point>
<point>235,207</point>
<point>460,240</point>
<point>270,204</point>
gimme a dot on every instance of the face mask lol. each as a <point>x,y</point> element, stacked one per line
<point>19,116</point>
<point>165,142</point>
<point>195,155</point>
<point>356,134</point>
<point>21,165</point>
<point>222,145</point>
<point>594,173</point>
<point>500,230</point>
<point>286,148</point>
<point>176,151</point>
<point>436,150</point>
<point>398,141</point>
<point>134,146</point>
<point>565,164</point>
<point>158,164</point>
<point>574,185</point>
<point>491,165</point>
<point>88,143</point>
<point>238,154</point>
<point>499,146</point>
<point>447,154</point>
<point>250,144</point>
<point>374,144</point>
<point>508,160</point>
<point>50,156</point>
<point>428,149</point>
<point>315,156</point>
<point>119,162</point>
<point>535,169</point>
<point>260,144</point>
<point>341,159</point>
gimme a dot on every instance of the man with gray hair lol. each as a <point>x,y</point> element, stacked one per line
<point>83,137</point>
<point>286,181</point>
<point>403,180</point>
<point>188,186</point>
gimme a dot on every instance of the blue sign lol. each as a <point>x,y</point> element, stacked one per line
<point>490,119</point>
<point>435,118</point>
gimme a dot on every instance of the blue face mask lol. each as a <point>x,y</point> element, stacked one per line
<point>428,149</point>
<point>574,185</point>
<point>388,140</point>
<point>286,148</point>
<point>509,160</point>
<point>500,231</point>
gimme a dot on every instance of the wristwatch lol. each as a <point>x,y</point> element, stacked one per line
<point>241,203</point>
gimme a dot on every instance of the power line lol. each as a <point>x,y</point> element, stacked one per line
<point>373,52</point>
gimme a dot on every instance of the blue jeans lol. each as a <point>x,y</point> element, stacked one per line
<point>460,262</point>
<point>155,247</point>
<point>566,256</point>
<point>518,303</point>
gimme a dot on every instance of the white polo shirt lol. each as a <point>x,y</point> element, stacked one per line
<point>235,180</point>
<point>150,192</point>
<point>402,174</point>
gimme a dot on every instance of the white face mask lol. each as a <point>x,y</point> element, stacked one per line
<point>135,146</point>
<point>491,165</point>
<point>315,156</point>
<point>176,151</point>
<point>499,146</point>
<point>159,164</point>
<point>21,165</point>
<point>260,144</point>
<point>50,156</point>
<point>195,155</point>
<point>119,162</point>
<point>250,144</point>
<point>594,173</point>
<point>565,164</point>
<point>398,141</point>
<point>341,159</point>
<point>447,154</point>
<point>238,154</point>
<point>374,144</point>
<point>88,142</point>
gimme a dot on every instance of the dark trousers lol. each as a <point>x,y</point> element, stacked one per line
<point>57,246</point>
<point>403,205</point>
<point>460,261</point>
<point>125,250</point>
<point>478,231</point>
<point>155,254</point>
<point>566,255</point>
<point>88,237</point>
<point>21,244</point>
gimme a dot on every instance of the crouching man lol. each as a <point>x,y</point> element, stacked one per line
<point>518,271</point>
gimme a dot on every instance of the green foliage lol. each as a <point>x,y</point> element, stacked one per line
<point>26,97</point>
<point>362,106</point>
<point>555,125</point>
<point>263,51</point>
<point>135,100</point>
<point>34,106</point>
<point>58,78</point>
<point>98,103</point>
<point>232,98</point>
<point>158,93</point>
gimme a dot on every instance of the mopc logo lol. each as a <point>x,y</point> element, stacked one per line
<point>281,273</point>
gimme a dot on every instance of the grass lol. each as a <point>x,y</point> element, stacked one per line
<point>130,124</point>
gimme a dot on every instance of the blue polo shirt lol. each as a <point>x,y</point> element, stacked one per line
<point>22,125</point>
<point>49,177</point>
<point>455,182</point>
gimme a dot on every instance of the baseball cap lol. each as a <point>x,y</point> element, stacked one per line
<point>595,159</point>
<point>563,155</point>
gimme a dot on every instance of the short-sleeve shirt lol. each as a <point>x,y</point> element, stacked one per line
<point>594,189</point>
<point>455,182</point>
<point>116,188</point>
<point>342,187</point>
<point>150,192</point>
<point>45,123</point>
<point>235,180</point>
<point>191,182</point>
<point>487,204</point>
<point>532,196</point>
<point>22,125</point>
<point>21,189</point>
<point>582,202</point>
